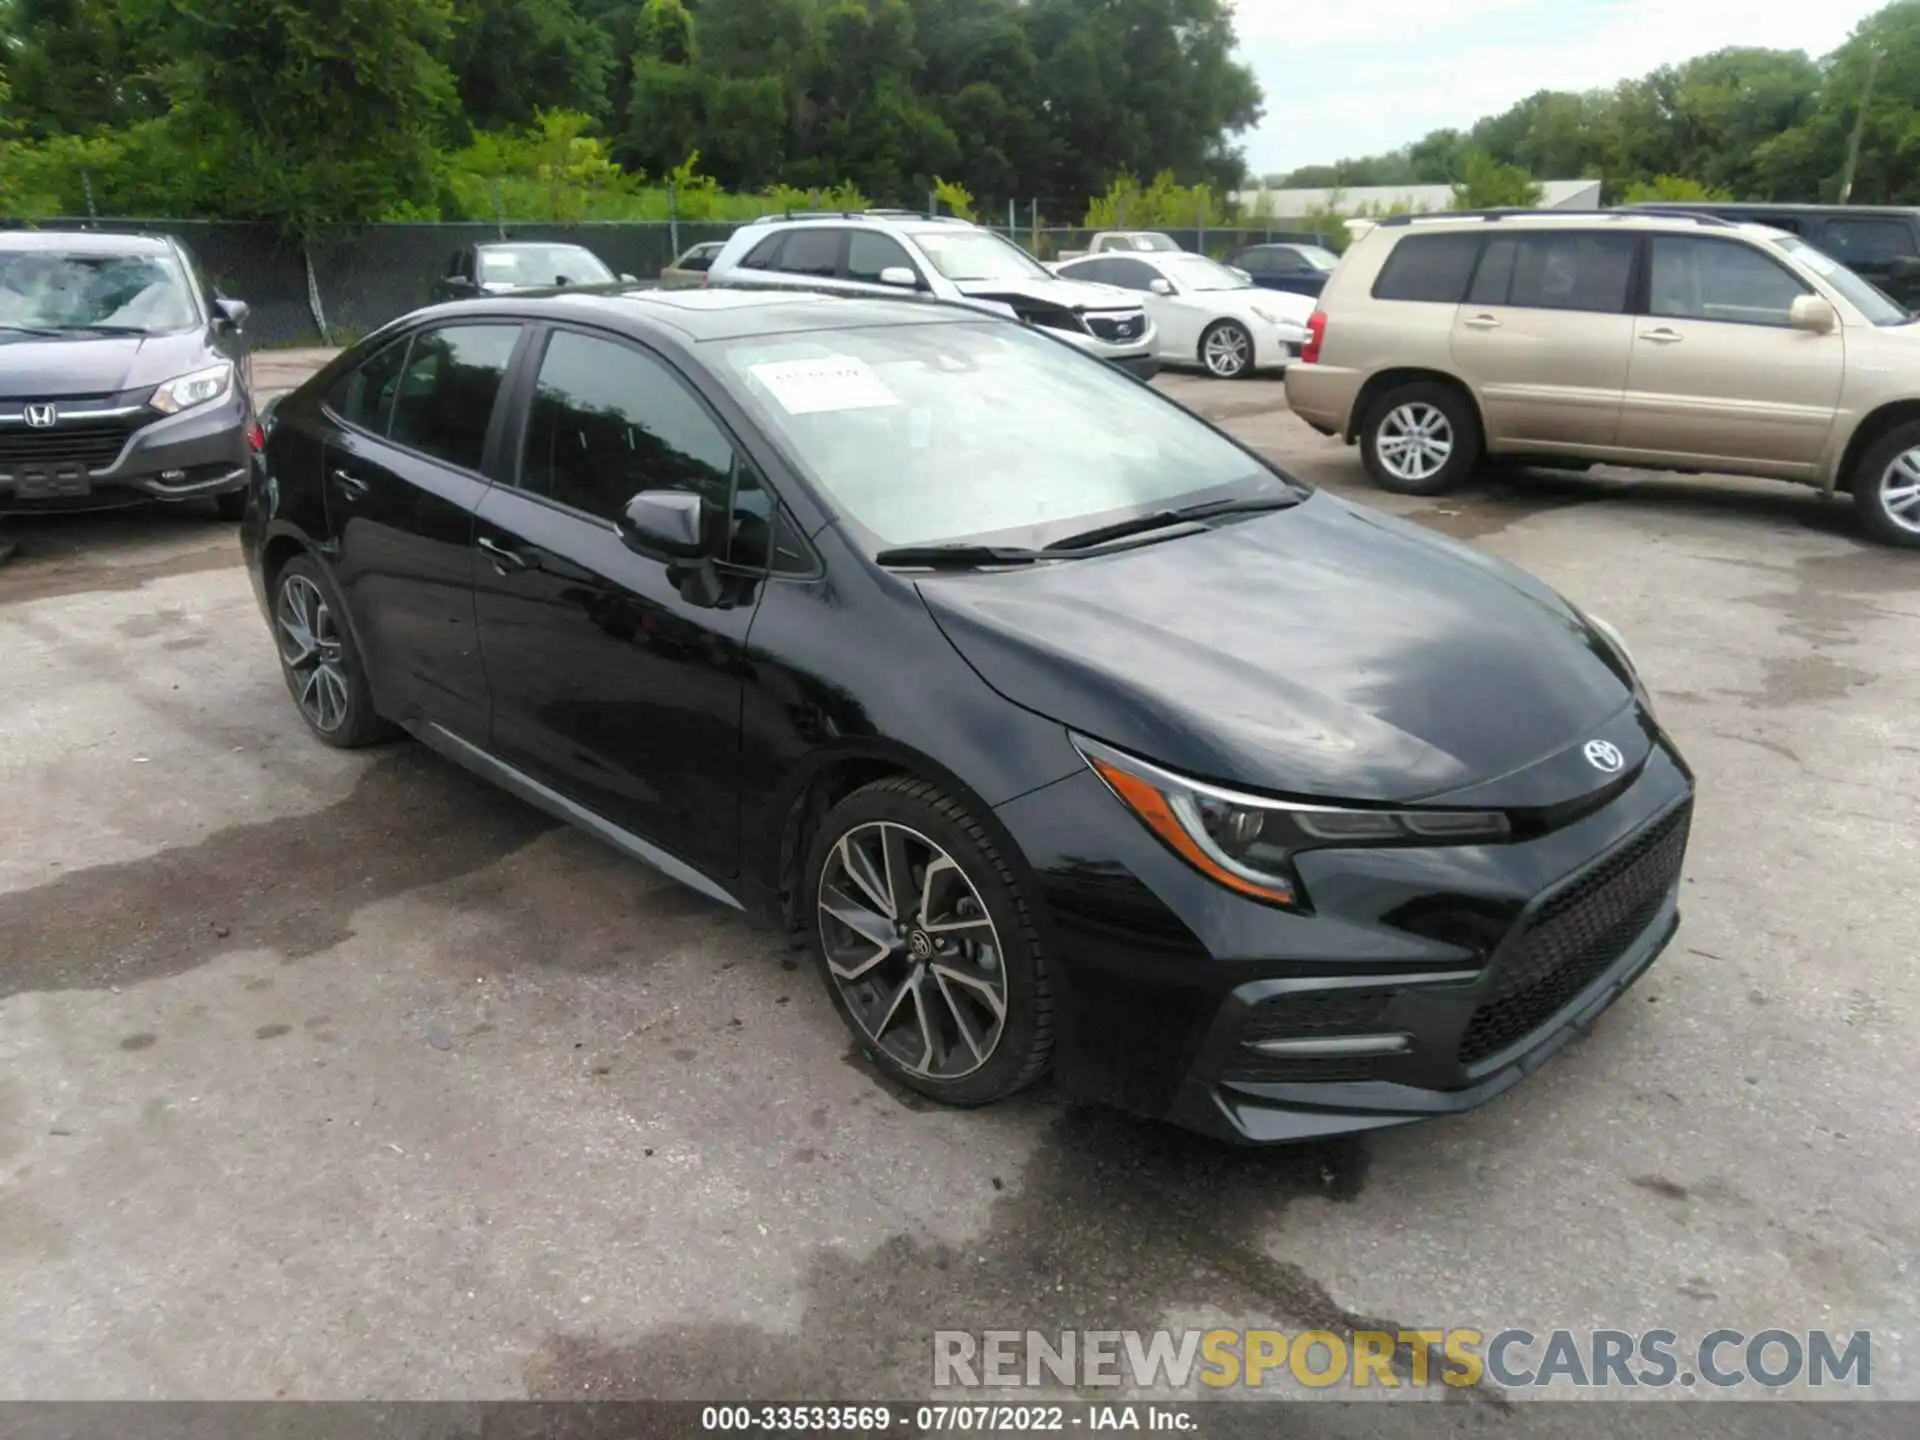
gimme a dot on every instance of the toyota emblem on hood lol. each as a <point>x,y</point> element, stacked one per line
<point>1605,755</point>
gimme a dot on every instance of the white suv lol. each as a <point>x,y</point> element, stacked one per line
<point>888,252</point>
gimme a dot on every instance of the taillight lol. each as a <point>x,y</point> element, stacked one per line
<point>1316,337</point>
<point>256,437</point>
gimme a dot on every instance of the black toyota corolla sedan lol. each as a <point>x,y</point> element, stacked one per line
<point>1067,731</point>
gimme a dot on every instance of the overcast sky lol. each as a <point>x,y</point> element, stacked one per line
<point>1355,77</point>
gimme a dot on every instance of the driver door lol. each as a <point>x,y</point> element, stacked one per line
<point>607,682</point>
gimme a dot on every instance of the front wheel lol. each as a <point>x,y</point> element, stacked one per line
<point>1886,488</point>
<point>1420,439</point>
<point>925,940</point>
<point>1227,350</point>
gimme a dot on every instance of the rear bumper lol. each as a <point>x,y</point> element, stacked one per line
<point>201,453</point>
<point>1323,396</point>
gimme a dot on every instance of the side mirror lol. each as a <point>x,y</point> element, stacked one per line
<point>230,314</point>
<point>900,276</point>
<point>1161,287</point>
<point>626,279</point>
<point>668,525</point>
<point>1812,313</point>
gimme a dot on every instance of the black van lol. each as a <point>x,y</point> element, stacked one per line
<point>1879,242</point>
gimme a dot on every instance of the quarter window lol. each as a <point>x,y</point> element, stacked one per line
<point>609,421</point>
<point>363,397</point>
<point>447,390</point>
<point>763,255</point>
<point>1572,270</point>
<point>1695,278</point>
<point>1432,268</point>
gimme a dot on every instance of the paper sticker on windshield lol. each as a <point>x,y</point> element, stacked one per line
<point>833,382</point>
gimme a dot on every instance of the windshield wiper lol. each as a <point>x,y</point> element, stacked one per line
<point>30,330</point>
<point>960,557</point>
<point>1166,519</point>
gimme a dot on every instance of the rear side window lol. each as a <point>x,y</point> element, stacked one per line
<point>447,391</point>
<point>1431,268</point>
<point>363,397</point>
<point>1572,270</point>
<point>811,252</point>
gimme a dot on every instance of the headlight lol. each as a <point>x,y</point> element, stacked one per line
<point>1247,842</point>
<point>183,392</point>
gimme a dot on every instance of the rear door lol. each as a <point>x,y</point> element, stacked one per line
<point>405,471</point>
<point>1879,248</point>
<point>1718,378</point>
<point>1544,336</point>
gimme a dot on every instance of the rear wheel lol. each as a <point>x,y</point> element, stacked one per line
<point>927,945</point>
<point>318,658</point>
<point>1420,439</point>
<point>1886,487</point>
<point>1227,350</point>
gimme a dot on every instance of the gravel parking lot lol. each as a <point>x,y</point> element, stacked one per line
<point>332,1075</point>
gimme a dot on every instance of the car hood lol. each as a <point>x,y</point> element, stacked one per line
<point>1073,294</point>
<point>1326,650</point>
<point>31,366</point>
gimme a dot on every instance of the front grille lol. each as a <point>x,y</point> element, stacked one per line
<point>1117,329</point>
<point>1576,935</point>
<point>95,444</point>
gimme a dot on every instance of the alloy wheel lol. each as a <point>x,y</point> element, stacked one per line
<point>310,649</point>
<point>1900,491</point>
<point>912,950</point>
<point>1228,351</point>
<point>1415,441</point>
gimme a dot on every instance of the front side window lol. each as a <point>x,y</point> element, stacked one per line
<point>869,252</point>
<point>1868,244</point>
<point>1697,278</point>
<point>609,421</point>
<point>60,292</point>
<point>1572,270</point>
<point>447,391</point>
<point>962,433</point>
<point>1428,268</point>
<point>965,256</point>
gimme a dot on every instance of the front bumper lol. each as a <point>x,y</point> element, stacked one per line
<point>127,457</point>
<point>1426,981</point>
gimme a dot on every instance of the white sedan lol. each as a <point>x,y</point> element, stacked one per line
<point>1206,313</point>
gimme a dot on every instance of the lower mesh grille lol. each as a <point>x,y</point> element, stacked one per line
<point>1576,935</point>
<point>94,444</point>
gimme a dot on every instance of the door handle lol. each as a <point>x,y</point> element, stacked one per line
<point>352,484</point>
<point>1662,336</point>
<point>504,557</point>
<point>1481,322</point>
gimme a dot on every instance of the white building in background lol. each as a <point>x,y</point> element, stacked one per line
<point>1421,199</point>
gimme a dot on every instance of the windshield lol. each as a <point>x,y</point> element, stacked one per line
<point>51,290</point>
<point>981,434</point>
<point>1865,297</point>
<point>1197,272</point>
<point>1316,257</point>
<point>542,265</point>
<point>963,255</point>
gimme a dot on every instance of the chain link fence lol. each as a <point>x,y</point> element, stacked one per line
<point>342,287</point>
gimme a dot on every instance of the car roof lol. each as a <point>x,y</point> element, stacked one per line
<point>84,242</point>
<point>529,245</point>
<point>1772,207</point>
<point>717,312</point>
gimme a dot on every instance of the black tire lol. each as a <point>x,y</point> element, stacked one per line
<point>1229,334</point>
<point>1415,400</point>
<point>1024,1043</point>
<point>343,717</point>
<point>1872,481</point>
<point>231,505</point>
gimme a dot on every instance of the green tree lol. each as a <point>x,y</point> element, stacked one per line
<point>1489,184</point>
<point>513,58</point>
<point>311,113</point>
<point>1671,187</point>
<point>79,66</point>
<point>666,109</point>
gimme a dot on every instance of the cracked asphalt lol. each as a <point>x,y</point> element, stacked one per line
<point>332,1076</point>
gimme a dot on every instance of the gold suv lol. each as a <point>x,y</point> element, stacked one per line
<point>1660,341</point>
